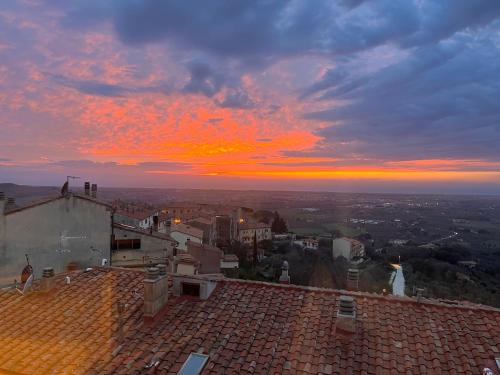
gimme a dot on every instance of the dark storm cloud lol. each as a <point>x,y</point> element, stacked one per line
<point>261,30</point>
<point>254,32</point>
<point>236,99</point>
<point>203,79</point>
<point>439,102</point>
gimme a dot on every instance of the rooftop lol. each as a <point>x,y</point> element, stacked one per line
<point>187,229</point>
<point>243,327</point>
<point>143,232</point>
<point>46,200</point>
<point>137,213</point>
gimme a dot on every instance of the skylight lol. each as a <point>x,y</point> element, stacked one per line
<point>194,364</point>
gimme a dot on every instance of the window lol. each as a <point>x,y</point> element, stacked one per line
<point>189,289</point>
<point>194,364</point>
<point>126,244</point>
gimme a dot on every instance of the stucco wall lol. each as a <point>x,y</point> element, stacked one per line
<point>54,234</point>
<point>182,239</point>
<point>341,247</point>
<point>152,248</point>
<point>247,235</point>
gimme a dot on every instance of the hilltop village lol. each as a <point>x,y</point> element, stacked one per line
<point>390,244</point>
<point>79,231</point>
<point>123,286</point>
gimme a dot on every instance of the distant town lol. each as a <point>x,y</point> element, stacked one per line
<point>410,245</point>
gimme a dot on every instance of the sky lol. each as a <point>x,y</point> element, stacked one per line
<point>346,95</point>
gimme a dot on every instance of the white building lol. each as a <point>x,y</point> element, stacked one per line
<point>248,231</point>
<point>131,246</point>
<point>146,220</point>
<point>348,248</point>
<point>307,243</point>
<point>183,233</point>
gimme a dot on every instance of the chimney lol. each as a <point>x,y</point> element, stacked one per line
<point>48,280</point>
<point>346,315</point>
<point>420,294</point>
<point>284,278</point>
<point>94,190</point>
<point>87,188</point>
<point>352,279</point>
<point>11,203</point>
<point>155,290</point>
<point>2,202</point>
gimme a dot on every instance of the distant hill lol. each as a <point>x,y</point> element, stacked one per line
<point>25,193</point>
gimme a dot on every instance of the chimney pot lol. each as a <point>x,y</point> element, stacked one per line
<point>87,188</point>
<point>285,277</point>
<point>162,269</point>
<point>48,272</point>
<point>155,290</point>
<point>47,282</point>
<point>352,279</point>
<point>153,273</point>
<point>420,293</point>
<point>346,315</point>
<point>94,190</point>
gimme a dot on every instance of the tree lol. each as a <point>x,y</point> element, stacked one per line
<point>279,224</point>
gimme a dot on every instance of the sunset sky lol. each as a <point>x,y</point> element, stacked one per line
<point>347,95</point>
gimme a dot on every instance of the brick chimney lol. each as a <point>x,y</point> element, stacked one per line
<point>48,280</point>
<point>94,190</point>
<point>285,277</point>
<point>346,315</point>
<point>87,188</point>
<point>352,279</point>
<point>155,290</point>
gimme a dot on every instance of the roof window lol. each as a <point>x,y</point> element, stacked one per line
<point>194,364</point>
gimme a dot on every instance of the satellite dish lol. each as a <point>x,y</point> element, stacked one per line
<point>27,285</point>
<point>27,272</point>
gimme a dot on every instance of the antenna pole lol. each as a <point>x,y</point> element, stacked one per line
<point>72,177</point>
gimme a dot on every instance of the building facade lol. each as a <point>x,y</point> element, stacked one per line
<point>133,247</point>
<point>348,248</point>
<point>183,233</point>
<point>62,232</point>
<point>248,231</point>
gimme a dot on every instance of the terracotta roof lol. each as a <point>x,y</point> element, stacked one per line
<point>187,229</point>
<point>130,228</point>
<point>244,327</point>
<point>201,220</point>
<point>137,214</point>
<point>208,256</point>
